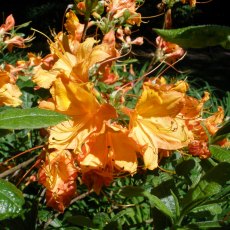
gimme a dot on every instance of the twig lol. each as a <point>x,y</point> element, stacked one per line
<point>19,154</point>
<point>82,196</point>
<point>22,165</point>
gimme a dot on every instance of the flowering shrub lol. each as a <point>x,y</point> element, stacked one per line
<point>97,119</point>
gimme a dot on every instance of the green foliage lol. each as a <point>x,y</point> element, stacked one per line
<point>11,200</point>
<point>220,154</point>
<point>222,133</point>
<point>185,192</point>
<point>198,36</point>
<point>30,118</point>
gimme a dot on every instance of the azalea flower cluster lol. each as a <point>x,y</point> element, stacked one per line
<point>9,38</point>
<point>104,139</point>
<point>106,136</point>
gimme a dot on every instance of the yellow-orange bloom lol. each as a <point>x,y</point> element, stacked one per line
<point>193,107</point>
<point>193,115</point>
<point>73,26</point>
<point>75,66</point>
<point>213,122</point>
<point>199,148</point>
<point>79,102</point>
<point>167,51</point>
<point>9,24</point>
<point>9,91</point>
<point>117,8</point>
<point>58,175</point>
<point>106,153</point>
<point>155,123</point>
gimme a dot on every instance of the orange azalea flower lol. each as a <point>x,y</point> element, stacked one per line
<point>126,39</point>
<point>73,26</point>
<point>192,113</point>
<point>88,55</point>
<point>193,107</point>
<point>108,76</point>
<point>167,51</point>
<point>117,8</point>
<point>212,123</point>
<point>96,179</point>
<point>17,41</point>
<point>79,102</point>
<point>155,123</point>
<point>199,148</point>
<point>107,152</point>
<point>110,40</point>
<point>9,24</point>
<point>58,175</point>
<point>9,92</point>
<point>75,67</point>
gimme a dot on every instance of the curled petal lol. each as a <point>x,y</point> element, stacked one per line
<point>212,123</point>
<point>9,24</point>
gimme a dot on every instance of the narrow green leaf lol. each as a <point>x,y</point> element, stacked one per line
<point>213,209</point>
<point>210,184</point>
<point>158,204</point>
<point>197,36</point>
<point>177,205</point>
<point>22,25</point>
<point>219,153</point>
<point>11,200</point>
<point>30,118</point>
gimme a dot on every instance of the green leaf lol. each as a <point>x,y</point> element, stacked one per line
<point>213,209</point>
<point>197,36</point>
<point>11,200</point>
<point>22,25</point>
<point>30,118</point>
<point>177,205</point>
<point>101,219</point>
<point>158,204</point>
<point>210,184</point>
<point>219,153</point>
<point>131,191</point>
<point>222,133</point>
